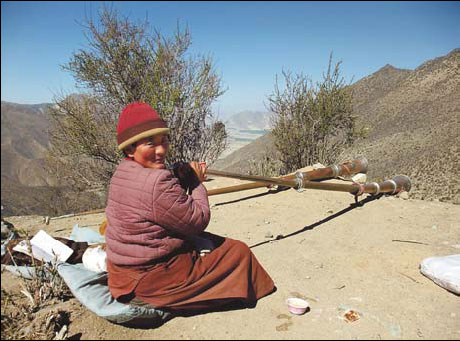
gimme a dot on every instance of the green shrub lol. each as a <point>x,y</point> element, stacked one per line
<point>311,122</point>
<point>125,62</point>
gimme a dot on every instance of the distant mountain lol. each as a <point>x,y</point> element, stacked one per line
<point>249,120</point>
<point>27,187</point>
<point>38,109</point>
<point>413,120</point>
<point>24,135</point>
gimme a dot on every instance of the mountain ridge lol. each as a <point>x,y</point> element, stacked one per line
<point>412,118</point>
<point>249,120</point>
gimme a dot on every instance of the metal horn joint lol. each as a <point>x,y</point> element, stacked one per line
<point>335,171</point>
<point>299,180</point>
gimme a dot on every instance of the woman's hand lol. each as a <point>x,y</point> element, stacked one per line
<point>190,174</point>
<point>199,170</point>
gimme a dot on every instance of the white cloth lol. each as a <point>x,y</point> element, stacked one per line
<point>95,259</point>
<point>444,271</point>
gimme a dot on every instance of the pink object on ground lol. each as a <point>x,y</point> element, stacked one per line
<point>297,306</point>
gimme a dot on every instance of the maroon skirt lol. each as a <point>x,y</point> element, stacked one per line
<point>189,281</point>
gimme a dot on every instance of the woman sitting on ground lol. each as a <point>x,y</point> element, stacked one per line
<point>154,214</point>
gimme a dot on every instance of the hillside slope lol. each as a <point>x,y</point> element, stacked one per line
<point>413,123</point>
<point>27,187</point>
<point>414,127</point>
<point>24,131</point>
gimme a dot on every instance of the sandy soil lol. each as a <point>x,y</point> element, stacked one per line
<point>316,246</point>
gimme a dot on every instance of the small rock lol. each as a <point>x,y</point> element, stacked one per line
<point>360,178</point>
<point>6,229</point>
<point>268,235</point>
<point>404,195</point>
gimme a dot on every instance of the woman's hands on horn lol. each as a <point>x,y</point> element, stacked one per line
<point>189,174</point>
<point>200,170</point>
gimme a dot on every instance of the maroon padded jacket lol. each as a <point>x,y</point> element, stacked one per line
<point>149,214</point>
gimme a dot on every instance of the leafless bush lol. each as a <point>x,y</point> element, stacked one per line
<point>268,165</point>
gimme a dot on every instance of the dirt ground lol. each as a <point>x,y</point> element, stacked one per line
<point>318,247</point>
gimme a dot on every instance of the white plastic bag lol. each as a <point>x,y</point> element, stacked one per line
<point>444,271</point>
<point>94,259</point>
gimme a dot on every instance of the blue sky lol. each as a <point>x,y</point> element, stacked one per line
<point>250,42</point>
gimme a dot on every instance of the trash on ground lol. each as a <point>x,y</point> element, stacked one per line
<point>351,316</point>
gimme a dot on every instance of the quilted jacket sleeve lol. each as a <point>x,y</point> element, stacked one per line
<point>175,210</point>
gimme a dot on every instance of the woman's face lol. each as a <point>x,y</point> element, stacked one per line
<point>151,152</point>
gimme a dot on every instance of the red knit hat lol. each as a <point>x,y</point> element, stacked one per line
<point>137,121</point>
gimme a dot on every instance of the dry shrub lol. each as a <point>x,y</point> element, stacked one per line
<point>23,316</point>
<point>19,322</point>
<point>268,165</point>
<point>312,122</point>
